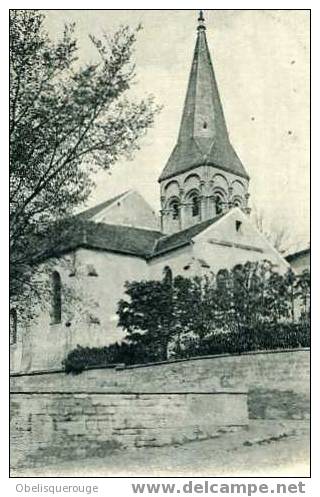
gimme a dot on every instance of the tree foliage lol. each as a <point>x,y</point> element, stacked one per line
<point>66,122</point>
<point>244,300</point>
<point>278,236</point>
<point>149,315</point>
<point>250,308</point>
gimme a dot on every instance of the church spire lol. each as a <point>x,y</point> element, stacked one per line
<point>203,136</point>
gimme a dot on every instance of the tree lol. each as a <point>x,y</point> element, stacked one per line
<point>147,315</point>
<point>302,293</point>
<point>188,306</point>
<point>248,308</point>
<point>242,309</point>
<point>279,237</point>
<point>159,313</point>
<point>66,122</point>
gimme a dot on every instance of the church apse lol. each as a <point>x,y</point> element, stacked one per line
<point>203,177</point>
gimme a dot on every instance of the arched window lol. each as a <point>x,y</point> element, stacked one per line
<point>238,277</point>
<point>218,200</point>
<point>13,326</point>
<point>194,200</point>
<point>174,206</point>
<point>222,279</point>
<point>195,206</point>
<point>56,298</point>
<point>237,202</point>
<point>167,275</point>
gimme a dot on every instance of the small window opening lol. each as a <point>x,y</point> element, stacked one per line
<point>167,275</point>
<point>195,206</point>
<point>205,125</point>
<point>238,225</point>
<point>219,204</point>
<point>56,298</point>
<point>175,210</point>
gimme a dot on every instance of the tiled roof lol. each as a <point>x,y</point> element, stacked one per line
<point>188,154</point>
<point>181,238</point>
<point>127,240</point>
<point>100,236</point>
<point>124,239</point>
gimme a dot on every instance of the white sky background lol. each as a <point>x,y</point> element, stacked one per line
<point>261,62</point>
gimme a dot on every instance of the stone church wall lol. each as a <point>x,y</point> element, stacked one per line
<point>55,416</point>
<point>89,319</point>
<point>97,279</point>
<point>220,246</point>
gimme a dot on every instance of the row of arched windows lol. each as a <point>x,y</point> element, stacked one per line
<point>194,199</point>
<point>222,281</point>
<point>223,277</point>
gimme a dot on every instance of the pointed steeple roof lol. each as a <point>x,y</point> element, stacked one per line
<point>203,136</point>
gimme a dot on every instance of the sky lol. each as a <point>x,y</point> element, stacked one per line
<point>261,63</point>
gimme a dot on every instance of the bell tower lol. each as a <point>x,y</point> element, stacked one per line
<point>203,177</point>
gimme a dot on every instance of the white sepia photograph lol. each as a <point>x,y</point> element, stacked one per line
<point>159,243</point>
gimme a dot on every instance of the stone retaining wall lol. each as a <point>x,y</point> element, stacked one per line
<point>56,416</point>
<point>47,428</point>
<point>283,370</point>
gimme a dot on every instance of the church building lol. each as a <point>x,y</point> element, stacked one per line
<point>204,226</point>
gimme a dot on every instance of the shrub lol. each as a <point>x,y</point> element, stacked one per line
<point>82,358</point>
<point>266,337</point>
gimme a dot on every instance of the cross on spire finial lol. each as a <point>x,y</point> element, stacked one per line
<point>201,20</point>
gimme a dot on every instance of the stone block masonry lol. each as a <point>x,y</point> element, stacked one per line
<point>60,426</point>
<point>58,417</point>
<point>281,370</point>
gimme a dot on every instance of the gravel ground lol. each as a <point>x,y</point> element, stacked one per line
<point>270,448</point>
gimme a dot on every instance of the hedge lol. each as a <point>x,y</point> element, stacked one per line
<point>267,337</point>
